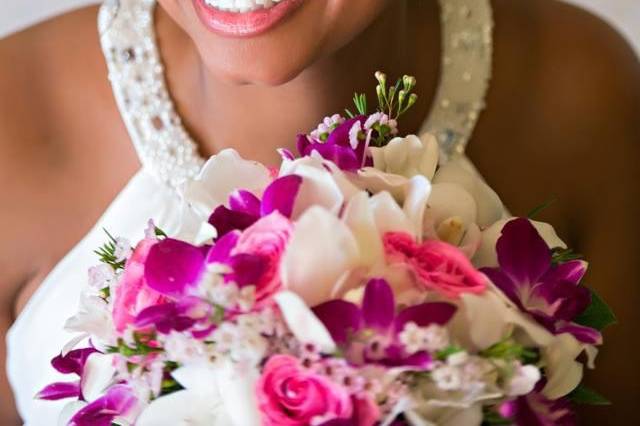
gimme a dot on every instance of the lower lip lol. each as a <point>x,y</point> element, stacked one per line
<point>244,24</point>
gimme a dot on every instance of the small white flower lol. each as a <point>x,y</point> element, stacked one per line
<point>101,276</point>
<point>432,338</point>
<point>354,134</point>
<point>246,298</point>
<point>123,249</point>
<point>523,380</point>
<point>447,378</point>
<point>184,349</point>
<point>225,336</point>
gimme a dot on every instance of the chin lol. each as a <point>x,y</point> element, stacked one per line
<point>269,42</point>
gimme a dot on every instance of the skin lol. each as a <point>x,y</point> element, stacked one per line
<point>562,123</point>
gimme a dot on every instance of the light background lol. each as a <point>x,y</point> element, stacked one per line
<point>16,14</point>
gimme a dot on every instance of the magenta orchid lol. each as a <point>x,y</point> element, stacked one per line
<point>245,208</point>
<point>119,401</point>
<point>550,293</point>
<point>346,145</point>
<point>350,324</point>
<point>71,363</point>
<point>535,409</point>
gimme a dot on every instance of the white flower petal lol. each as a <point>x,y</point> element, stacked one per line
<point>185,407</point>
<point>221,175</point>
<point>388,215</point>
<point>563,372</point>
<point>415,203</point>
<point>360,219</point>
<point>304,325</point>
<point>69,411</point>
<point>490,208</point>
<point>237,389</point>
<point>322,249</point>
<point>97,375</point>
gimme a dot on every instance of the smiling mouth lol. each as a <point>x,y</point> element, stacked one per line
<point>243,18</point>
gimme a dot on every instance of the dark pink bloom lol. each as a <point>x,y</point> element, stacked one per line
<point>535,409</point>
<point>369,333</point>
<point>132,293</point>
<point>254,256</point>
<point>439,266</point>
<point>178,316</point>
<point>71,363</point>
<point>173,267</point>
<point>552,294</point>
<point>245,209</point>
<point>291,395</point>
<point>119,401</point>
<point>337,148</point>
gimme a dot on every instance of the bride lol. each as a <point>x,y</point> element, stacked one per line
<point>187,80</point>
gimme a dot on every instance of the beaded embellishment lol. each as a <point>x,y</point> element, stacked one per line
<point>164,146</point>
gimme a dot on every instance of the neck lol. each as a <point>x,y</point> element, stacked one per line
<point>255,120</point>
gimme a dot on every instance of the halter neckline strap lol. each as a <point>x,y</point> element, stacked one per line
<point>166,149</point>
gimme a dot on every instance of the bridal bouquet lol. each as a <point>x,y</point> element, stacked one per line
<point>363,282</point>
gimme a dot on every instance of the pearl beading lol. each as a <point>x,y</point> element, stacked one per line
<point>137,77</point>
<point>164,146</point>
<point>467,56</point>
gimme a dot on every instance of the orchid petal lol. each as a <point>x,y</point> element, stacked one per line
<point>341,318</point>
<point>225,220</point>
<point>522,253</point>
<point>221,250</point>
<point>70,410</point>
<point>486,255</point>
<point>563,372</point>
<point>172,266</point>
<point>318,235</point>
<point>237,384</point>
<point>98,374</point>
<point>184,407</point>
<point>572,272</point>
<point>389,216</point>
<point>118,401</point>
<point>243,201</point>
<point>220,176</point>
<point>415,204</point>
<point>378,305</point>
<point>280,196</point>
<point>60,390</point>
<point>73,362</point>
<point>359,218</point>
<point>450,200</point>
<point>302,322</point>
<point>425,314</point>
<point>587,335</point>
<point>460,171</point>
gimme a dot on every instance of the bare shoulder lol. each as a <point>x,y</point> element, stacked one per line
<point>55,107</point>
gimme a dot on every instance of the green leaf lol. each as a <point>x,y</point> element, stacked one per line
<point>598,314</point>
<point>585,396</point>
<point>536,211</point>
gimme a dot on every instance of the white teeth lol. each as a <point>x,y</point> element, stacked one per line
<point>241,6</point>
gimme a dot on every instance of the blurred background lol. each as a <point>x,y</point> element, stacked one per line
<point>16,14</point>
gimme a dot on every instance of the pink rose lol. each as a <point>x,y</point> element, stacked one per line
<point>438,265</point>
<point>132,295</point>
<point>290,395</point>
<point>266,240</point>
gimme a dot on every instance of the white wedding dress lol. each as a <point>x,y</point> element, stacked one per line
<point>169,157</point>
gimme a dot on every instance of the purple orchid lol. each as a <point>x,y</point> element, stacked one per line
<point>534,409</point>
<point>245,208</point>
<point>173,266</point>
<point>178,316</point>
<point>349,324</point>
<point>119,401</point>
<point>549,293</point>
<point>71,363</point>
<point>344,146</point>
